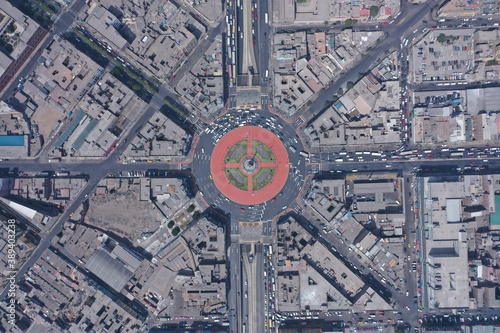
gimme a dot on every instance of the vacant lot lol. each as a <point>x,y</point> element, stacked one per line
<point>123,214</point>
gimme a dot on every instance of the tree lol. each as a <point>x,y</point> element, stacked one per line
<point>11,28</point>
<point>374,11</point>
<point>191,208</point>
<point>349,85</point>
<point>176,231</point>
<point>399,329</point>
<point>442,38</point>
<point>170,224</point>
<point>348,22</point>
<point>340,92</point>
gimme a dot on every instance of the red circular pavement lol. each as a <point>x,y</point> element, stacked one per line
<point>218,165</point>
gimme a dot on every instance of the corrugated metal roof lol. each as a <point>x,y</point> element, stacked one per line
<point>109,270</point>
<point>72,126</point>
<point>81,138</point>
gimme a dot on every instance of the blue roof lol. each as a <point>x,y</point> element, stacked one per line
<point>81,138</point>
<point>495,218</point>
<point>72,126</point>
<point>12,140</point>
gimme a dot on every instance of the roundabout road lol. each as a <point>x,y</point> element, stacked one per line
<point>249,165</point>
<point>267,210</point>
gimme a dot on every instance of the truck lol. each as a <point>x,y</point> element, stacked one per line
<point>54,160</point>
<point>267,73</point>
<point>266,18</point>
<point>304,154</point>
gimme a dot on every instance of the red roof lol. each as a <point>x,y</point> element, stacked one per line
<point>355,11</point>
<point>364,12</point>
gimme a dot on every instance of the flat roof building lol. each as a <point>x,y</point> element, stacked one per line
<point>105,23</point>
<point>115,268</point>
<point>446,245</point>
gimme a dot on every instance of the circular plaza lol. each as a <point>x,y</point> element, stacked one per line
<point>249,165</point>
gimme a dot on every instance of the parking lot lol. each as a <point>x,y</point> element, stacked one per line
<point>443,55</point>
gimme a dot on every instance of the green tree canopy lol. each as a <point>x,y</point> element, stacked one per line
<point>442,38</point>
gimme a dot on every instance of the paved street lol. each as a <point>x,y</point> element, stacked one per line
<point>411,15</point>
<point>61,25</point>
<point>248,290</point>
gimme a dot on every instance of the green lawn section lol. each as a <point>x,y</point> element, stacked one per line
<point>179,217</point>
<point>132,82</point>
<point>52,8</point>
<point>173,106</point>
<point>143,87</point>
<point>90,49</point>
<point>34,12</point>
<point>242,186</point>
<point>269,153</point>
<point>233,148</point>
<point>258,185</point>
